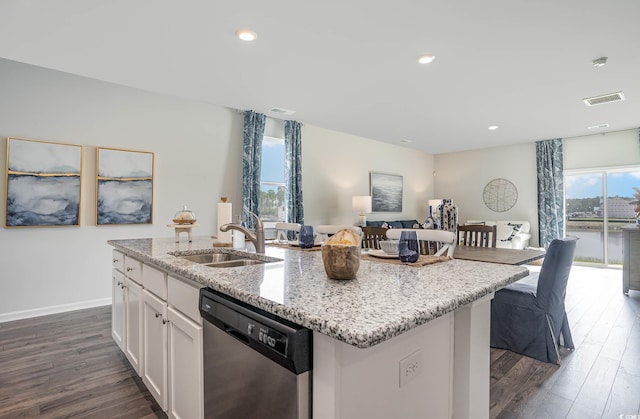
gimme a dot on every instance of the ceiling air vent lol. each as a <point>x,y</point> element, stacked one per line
<point>608,98</point>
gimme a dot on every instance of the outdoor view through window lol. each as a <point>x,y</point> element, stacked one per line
<point>597,204</point>
<point>272,187</point>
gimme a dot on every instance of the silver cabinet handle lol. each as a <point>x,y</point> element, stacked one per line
<point>157,315</point>
<point>165,321</point>
<point>129,269</point>
<point>119,282</point>
<point>116,260</point>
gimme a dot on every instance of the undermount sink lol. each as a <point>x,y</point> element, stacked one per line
<point>212,257</point>
<point>227,260</point>
<point>235,263</point>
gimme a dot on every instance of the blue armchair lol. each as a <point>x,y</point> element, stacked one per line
<point>528,317</point>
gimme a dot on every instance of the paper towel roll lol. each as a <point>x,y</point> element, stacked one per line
<point>224,217</point>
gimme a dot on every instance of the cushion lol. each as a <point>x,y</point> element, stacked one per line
<point>409,223</point>
<point>375,223</point>
<point>395,224</point>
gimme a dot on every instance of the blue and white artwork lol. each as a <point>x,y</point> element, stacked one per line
<point>125,187</point>
<point>386,192</point>
<point>43,183</point>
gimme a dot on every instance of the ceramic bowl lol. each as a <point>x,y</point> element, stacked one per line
<point>389,246</point>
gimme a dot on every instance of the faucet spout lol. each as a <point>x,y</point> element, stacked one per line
<point>257,239</point>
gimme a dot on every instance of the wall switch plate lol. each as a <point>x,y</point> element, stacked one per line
<point>410,367</point>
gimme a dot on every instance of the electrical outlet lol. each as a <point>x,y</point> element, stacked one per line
<point>410,367</point>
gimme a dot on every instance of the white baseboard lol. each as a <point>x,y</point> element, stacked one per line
<point>36,312</point>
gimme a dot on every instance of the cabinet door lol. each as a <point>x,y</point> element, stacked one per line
<point>155,347</point>
<point>133,324</point>
<point>117,308</point>
<point>185,367</point>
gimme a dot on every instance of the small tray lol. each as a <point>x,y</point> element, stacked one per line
<point>184,221</point>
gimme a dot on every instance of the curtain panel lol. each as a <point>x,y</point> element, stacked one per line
<point>293,171</point>
<point>551,220</point>
<point>251,163</point>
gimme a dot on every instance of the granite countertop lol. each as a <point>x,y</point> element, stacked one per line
<point>384,300</point>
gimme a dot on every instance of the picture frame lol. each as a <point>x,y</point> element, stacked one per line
<point>386,192</point>
<point>43,183</point>
<point>124,186</point>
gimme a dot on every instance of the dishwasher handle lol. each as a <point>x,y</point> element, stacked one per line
<point>239,336</point>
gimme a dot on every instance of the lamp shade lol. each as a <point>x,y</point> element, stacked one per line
<point>361,204</point>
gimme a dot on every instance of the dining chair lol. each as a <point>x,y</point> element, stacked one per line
<point>282,230</point>
<point>371,236</point>
<point>442,242</point>
<point>528,317</point>
<point>477,235</point>
<point>326,230</point>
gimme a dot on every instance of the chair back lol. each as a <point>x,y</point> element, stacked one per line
<point>442,242</point>
<point>372,236</point>
<point>283,228</point>
<point>477,235</point>
<point>326,230</point>
<point>554,273</point>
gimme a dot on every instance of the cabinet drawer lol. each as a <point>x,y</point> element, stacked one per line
<point>184,298</point>
<point>154,281</point>
<point>133,269</point>
<point>117,260</point>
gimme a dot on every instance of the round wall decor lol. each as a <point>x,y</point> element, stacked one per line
<point>500,195</point>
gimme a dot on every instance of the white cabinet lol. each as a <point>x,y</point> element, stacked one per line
<point>155,347</point>
<point>133,324</point>
<point>185,367</point>
<point>117,307</point>
<point>157,324</point>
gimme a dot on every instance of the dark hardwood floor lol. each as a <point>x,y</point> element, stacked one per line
<point>67,365</point>
<point>600,379</point>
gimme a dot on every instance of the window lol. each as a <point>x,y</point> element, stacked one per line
<point>272,203</point>
<point>598,203</point>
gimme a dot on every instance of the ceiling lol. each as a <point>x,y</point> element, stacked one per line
<point>350,65</point>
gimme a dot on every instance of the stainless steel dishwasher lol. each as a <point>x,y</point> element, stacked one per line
<point>256,365</point>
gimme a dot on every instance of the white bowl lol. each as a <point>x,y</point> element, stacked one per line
<point>389,246</point>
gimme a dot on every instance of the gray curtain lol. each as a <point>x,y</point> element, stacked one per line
<point>550,190</point>
<point>293,171</point>
<point>251,163</point>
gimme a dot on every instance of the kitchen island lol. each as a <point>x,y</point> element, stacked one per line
<point>437,314</point>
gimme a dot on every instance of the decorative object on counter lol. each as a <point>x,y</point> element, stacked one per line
<point>408,247</point>
<point>341,254</point>
<point>362,205</point>
<point>225,212</point>
<point>500,195</point>
<point>183,228</point>
<point>386,192</point>
<point>445,214</point>
<point>306,238</point>
<point>44,183</point>
<point>124,186</point>
<point>184,216</point>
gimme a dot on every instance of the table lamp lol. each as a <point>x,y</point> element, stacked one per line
<point>362,205</point>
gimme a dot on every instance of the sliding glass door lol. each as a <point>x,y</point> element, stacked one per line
<point>597,204</point>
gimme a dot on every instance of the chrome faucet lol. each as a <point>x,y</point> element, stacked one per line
<point>257,239</point>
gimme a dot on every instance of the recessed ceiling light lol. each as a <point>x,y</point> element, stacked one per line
<point>493,127</point>
<point>599,62</point>
<point>246,34</point>
<point>426,59</point>
<point>404,140</point>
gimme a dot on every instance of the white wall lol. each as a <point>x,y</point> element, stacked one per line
<point>336,166</point>
<point>462,176</point>
<point>198,149</point>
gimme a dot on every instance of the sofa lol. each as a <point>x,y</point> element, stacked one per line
<point>510,234</point>
<point>395,224</point>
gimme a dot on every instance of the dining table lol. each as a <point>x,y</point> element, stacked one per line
<point>498,254</point>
